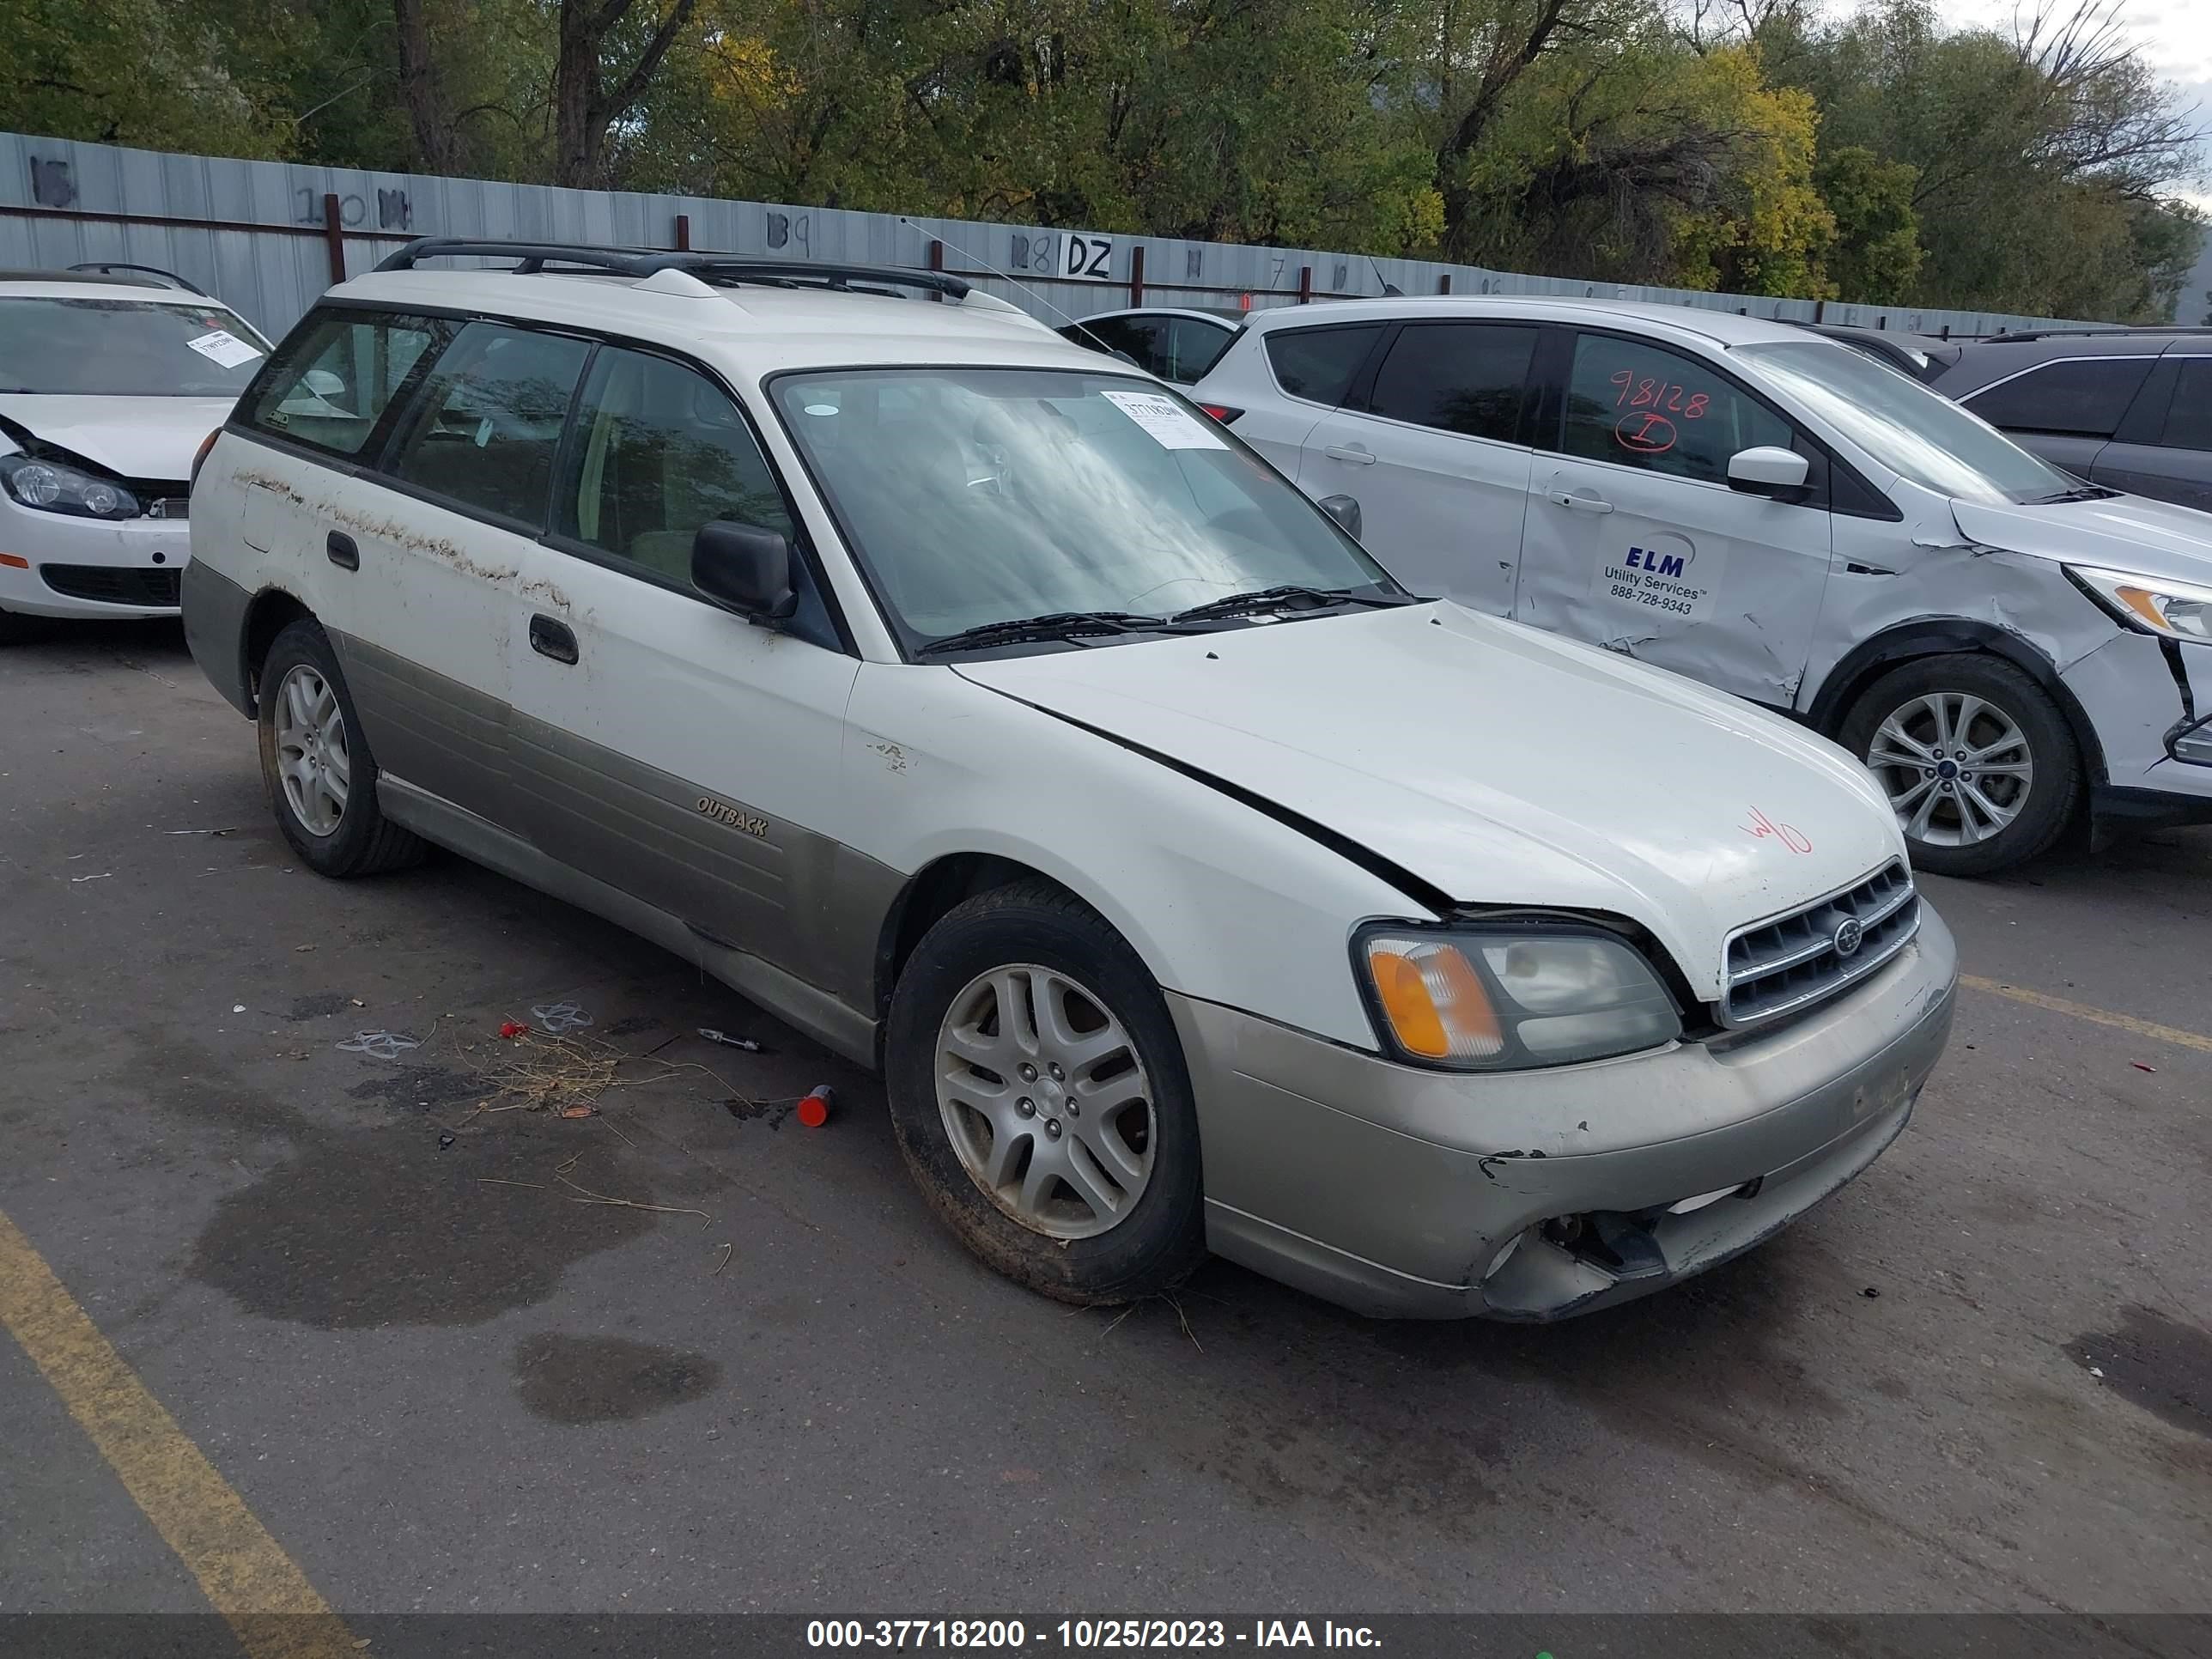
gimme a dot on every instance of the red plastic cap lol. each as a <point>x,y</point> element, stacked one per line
<point>814,1109</point>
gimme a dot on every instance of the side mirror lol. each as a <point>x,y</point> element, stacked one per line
<point>745,569</point>
<point>1767,470</point>
<point>1345,510</point>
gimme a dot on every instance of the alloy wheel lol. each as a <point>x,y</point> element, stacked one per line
<point>1046,1101</point>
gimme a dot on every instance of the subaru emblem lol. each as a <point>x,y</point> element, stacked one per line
<point>1850,936</point>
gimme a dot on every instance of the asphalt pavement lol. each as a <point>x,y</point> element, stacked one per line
<point>686,1353</point>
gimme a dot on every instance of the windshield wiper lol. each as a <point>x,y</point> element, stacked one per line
<point>1056,625</point>
<point>2085,493</point>
<point>1274,598</point>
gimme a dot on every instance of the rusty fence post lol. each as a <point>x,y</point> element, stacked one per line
<point>1443,283</point>
<point>1306,285</point>
<point>334,237</point>
<point>683,233</point>
<point>1136,276</point>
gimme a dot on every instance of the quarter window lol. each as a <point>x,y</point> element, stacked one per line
<point>1467,378</point>
<point>2188,417</point>
<point>1645,406</point>
<point>1193,348</point>
<point>659,450</point>
<point>486,428</point>
<point>332,381</point>
<point>2083,396</point>
<point>1319,363</point>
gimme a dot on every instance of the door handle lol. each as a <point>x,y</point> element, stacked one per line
<point>1581,503</point>
<point>1351,452</point>
<point>552,639</point>
<point>343,554</point>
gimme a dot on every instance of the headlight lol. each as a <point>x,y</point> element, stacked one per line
<point>57,489</point>
<point>2180,610</point>
<point>1498,999</point>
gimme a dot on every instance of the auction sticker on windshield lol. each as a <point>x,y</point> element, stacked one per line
<point>1667,578</point>
<point>224,348</point>
<point>1165,419</point>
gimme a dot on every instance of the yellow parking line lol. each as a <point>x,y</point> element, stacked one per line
<point>271,1605</point>
<point>2141,1028</point>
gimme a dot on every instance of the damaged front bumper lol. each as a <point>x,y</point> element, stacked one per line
<point>1404,1193</point>
<point>2149,703</point>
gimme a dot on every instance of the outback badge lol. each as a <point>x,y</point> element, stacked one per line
<point>722,812</point>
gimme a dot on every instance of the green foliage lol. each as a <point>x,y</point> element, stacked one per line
<point>1877,251</point>
<point>1879,156</point>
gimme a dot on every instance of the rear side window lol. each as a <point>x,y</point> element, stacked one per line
<point>484,429</point>
<point>1193,348</point>
<point>1645,406</point>
<point>1467,378</point>
<point>332,381</point>
<point>2082,396</point>
<point>2188,417</point>
<point>659,450</point>
<point>1319,363</point>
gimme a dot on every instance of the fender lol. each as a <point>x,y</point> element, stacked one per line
<point>1942,636</point>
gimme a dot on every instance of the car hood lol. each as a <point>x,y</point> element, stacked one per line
<point>2121,532</point>
<point>1497,764</point>
<point>153,438</point>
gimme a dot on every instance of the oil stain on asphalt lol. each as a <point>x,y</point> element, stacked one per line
<point>357,1232</point>
<point>2162,1365</point>
<point>577,1380</point>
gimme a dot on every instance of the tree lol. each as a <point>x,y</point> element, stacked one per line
<point>590,92</point>
<point>1877,253</point>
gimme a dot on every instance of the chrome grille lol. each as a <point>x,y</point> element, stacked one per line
<point>1792,961</point>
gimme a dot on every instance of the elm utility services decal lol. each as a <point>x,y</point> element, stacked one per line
<point>1668,579</point>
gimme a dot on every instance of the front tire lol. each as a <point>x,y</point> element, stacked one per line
<point>1039,1095</point>
<point>1978,760</point>
<point>16,628</point>
<point>320,777</point>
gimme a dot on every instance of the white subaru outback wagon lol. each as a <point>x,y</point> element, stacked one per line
<point>986,711</point>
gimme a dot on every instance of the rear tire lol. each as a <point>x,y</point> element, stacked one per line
<point>1039,1094</point>
<point>315,762</point>
<point>1976,758</point>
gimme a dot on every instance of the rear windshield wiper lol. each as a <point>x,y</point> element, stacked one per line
<point>1057,625</point>
<point>1274,598</point>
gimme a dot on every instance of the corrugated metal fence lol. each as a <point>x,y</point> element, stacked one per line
<point>268,237</point>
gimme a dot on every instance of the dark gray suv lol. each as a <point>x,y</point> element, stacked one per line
<point>2130,409</point>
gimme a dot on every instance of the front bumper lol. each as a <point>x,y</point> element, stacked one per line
<point>54,565</point>
<point>2142,697</point>
<point>1396,1191</point>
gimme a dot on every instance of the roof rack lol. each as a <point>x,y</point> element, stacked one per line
<point>2015,335</point>
<point>153,275</point>
<point>532,258</point>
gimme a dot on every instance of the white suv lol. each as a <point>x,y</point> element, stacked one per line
<point>108,383</point>
<point>1775,514</point>
<point>976,705</point>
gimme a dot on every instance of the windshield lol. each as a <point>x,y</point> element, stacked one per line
<point>979,495</point>
<point>1901,424</point>
<point>124,348</point>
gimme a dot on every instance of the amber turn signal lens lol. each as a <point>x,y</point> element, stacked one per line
<point>1433,999</point>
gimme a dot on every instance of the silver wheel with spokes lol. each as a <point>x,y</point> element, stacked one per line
<point>1046,1100</point>
<point>1958,767</point>
<point>312,759</point>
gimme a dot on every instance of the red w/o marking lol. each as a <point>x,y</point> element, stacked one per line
<point>1762,828</point>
